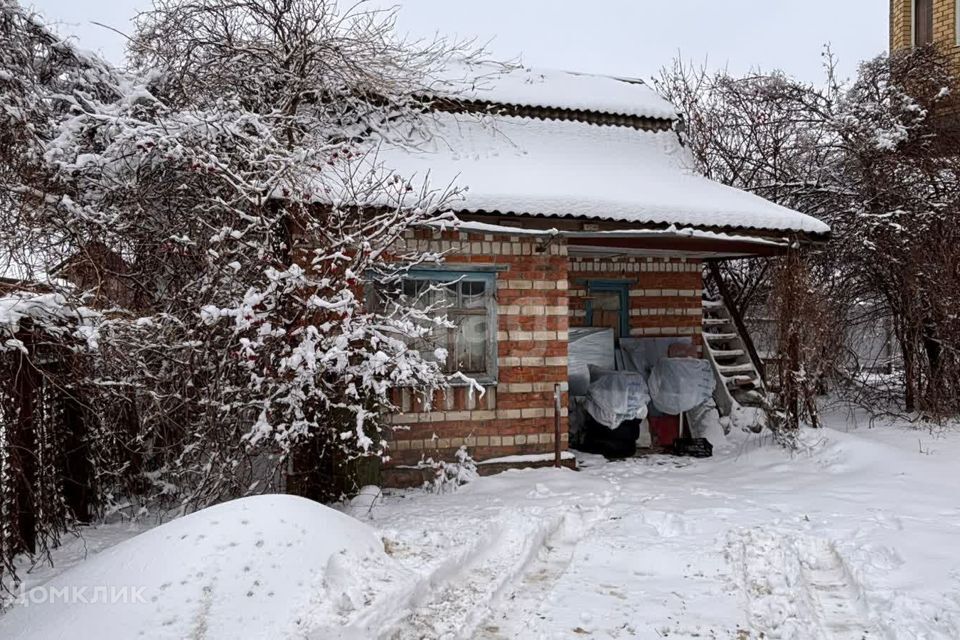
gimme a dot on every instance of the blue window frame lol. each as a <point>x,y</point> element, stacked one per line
<point>617,290</point>
<point>468,299</point>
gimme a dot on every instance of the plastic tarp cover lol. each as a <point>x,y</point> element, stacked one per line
<point>681,384</point>
<point>643,354</point>
<point>576,416</point>
<point>588,346</point>
<point>617,397</point>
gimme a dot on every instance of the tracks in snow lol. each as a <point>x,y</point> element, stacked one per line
<point>515,609</point>
<point>500,578</point>
<point>797,586</point>
<point>839,604</point>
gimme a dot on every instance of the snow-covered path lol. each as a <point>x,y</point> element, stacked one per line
<point>856,538</point>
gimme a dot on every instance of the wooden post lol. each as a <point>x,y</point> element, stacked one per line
<point>556,426</point>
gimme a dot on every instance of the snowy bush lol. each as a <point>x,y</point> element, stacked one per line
<point>216,205</point>
<point>448,476</point>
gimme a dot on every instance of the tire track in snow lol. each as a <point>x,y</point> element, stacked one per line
<point>837,596</point>
<point>797,587</point>
<point>457,598</point>
<point>514,610</point>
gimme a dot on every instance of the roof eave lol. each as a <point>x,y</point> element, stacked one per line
<point>539,112</point>
<point>604,226</point>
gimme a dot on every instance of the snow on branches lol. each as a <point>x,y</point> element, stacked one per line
<point>876,159</point>
<point>221,205</point>
<point>49,314</point>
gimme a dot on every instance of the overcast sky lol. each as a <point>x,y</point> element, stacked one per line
<point>618,37</point>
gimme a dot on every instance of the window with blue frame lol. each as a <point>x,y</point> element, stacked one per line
<point>607,306</point>
<point>467,299</point>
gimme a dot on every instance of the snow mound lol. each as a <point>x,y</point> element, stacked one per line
<point>260,567</point>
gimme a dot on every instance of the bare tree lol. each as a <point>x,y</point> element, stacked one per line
<point>873,158</point>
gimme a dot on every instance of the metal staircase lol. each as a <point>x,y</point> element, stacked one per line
<point>738,377</point>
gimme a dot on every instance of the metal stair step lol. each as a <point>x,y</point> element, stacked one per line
<point>729,353</point>
<point>741,383</point>
<point>749,398</point>
<point>721,337</point>
<point>726,369</point>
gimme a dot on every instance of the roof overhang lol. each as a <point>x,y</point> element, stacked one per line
<point>685,242</point>
<point>670,241</point>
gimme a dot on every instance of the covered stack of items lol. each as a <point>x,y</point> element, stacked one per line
<point>614,390</point>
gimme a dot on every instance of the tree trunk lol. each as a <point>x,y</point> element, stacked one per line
<point>77,469</point>
<point>23,450</point>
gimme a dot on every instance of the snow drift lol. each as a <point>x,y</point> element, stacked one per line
<point>261,567</point>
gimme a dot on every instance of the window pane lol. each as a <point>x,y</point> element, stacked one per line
<point>606,310</point>
<point>411,288</point>
<point>428,347</point>
<point>923,22</point>
<point>606,300</point>
<point>449,295</point>
<point>466,301</point>
<point>474,294</point>
<point>415,293</point>
<point>470,350</point>
<point>425,293</point>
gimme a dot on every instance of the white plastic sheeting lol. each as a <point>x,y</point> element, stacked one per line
<point>617,397</point>
<point>681,384</point>
<point>642,354</point>
<point>588,346</point>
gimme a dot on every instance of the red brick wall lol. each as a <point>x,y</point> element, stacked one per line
<point>665,293</point>
<point>516,415</point>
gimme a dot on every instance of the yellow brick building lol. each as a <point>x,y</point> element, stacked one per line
<point>921,22</point>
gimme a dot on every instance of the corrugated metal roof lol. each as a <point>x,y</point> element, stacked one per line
<point>521,166</point>
<point>550,89</point>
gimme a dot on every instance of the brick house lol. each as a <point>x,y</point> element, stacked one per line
<point>582,210</point>
<point>920,23</point>
<point>925,22</point>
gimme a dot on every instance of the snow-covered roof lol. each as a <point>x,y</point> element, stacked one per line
<point>515,85</point>
<point>523,166</point>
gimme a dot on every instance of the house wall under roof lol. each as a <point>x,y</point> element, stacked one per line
<point>515,415</point>
<point>943,28</point>
<point>541,291</point>
<point>664,294</point>
<point>944,33</point>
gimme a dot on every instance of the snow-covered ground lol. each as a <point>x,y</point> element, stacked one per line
<point>856,537</point>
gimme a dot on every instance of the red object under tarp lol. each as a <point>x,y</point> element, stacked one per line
<point>664,430</point>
